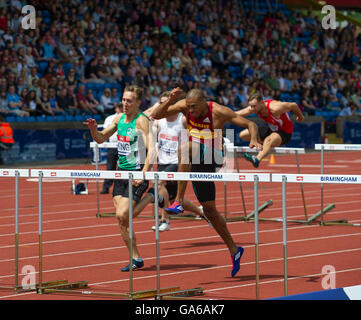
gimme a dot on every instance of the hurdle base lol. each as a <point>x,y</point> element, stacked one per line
<point>251,215</point>
<point>181,294</point>
<point>341,222</point>
<point>321,213</point>
<point>66,286</point>
<point>311,220</point>
<point>34,287</point>
<point>132,296</point>
<point>105,214</point>
<point>184,216</point>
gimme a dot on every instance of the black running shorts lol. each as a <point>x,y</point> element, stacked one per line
<point>121,188</point>
<point>210,161</point>
<point>265,131</point>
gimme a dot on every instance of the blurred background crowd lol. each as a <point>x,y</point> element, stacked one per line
<point>82,53</point>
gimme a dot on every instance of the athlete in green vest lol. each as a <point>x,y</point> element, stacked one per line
<point>134,143</point>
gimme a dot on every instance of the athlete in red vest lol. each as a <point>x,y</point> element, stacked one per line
<point>203,153</point>
<point>279,129</point>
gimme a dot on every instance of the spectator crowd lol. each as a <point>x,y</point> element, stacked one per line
<point>83,52</point>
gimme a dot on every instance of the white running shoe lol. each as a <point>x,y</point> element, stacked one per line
<point>163,226</point>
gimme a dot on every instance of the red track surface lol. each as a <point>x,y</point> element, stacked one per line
<point>78,246</point>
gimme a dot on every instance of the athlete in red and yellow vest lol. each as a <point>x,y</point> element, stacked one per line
<point>205,122</point>
<point>279,127</point>
<point>201,129</point>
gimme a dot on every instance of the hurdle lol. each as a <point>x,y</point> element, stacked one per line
<point>333,147</point>
<point>63,287</point>
<point>231,148</point>
<point>306,178</point>
<point>95,146</point>
<point>281,150</point>
<point>215,176</point>
<point>16,174</point>
<point>21,173</point>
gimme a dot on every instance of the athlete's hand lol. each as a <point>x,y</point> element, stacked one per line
<point>175,94</point>
<point>91,123</point>
<point>300,117</point>
<point>137,183</point>
<point>255,144</point>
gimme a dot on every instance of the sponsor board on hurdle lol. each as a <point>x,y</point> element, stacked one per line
<point>338,147</point>
<point>88,174</point>
<point>284,150</point>
<point>208,176</point>
<point>14,172</point>
<point>318,178</point>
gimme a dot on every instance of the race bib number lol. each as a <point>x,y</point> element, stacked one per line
<point>124,146</point>
<point>168,144</point>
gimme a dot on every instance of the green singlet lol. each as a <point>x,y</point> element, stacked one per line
<point>131,147</point>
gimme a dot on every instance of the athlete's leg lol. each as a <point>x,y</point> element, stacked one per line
<point>164,192</point>
<point>272,141</point>
<point>122,214</point>
<point>184,165</point>
<point>245,135</point>
<point>190,206</point>
<point>219,224</point>
<point>148,198</point>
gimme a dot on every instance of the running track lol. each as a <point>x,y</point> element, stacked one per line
<point>78,246</point>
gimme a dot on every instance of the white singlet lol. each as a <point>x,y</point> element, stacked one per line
<point>169,134</point>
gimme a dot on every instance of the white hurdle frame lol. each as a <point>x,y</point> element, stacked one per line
<point>221,176</point>
<point>96,149</point>
<point>156,176</point>
<point>333,147</point>
<point>15,173</point>
<point>230,147</point>
<point>306,178</point>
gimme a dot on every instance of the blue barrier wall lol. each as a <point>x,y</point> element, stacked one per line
<point>55,144</point>
<point>352,132</point>
<point>48,145</point>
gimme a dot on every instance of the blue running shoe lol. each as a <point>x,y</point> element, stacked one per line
<point>236,261</point>
<point>137,264</point>
<point>252,158</point>
<point>175,208</point>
